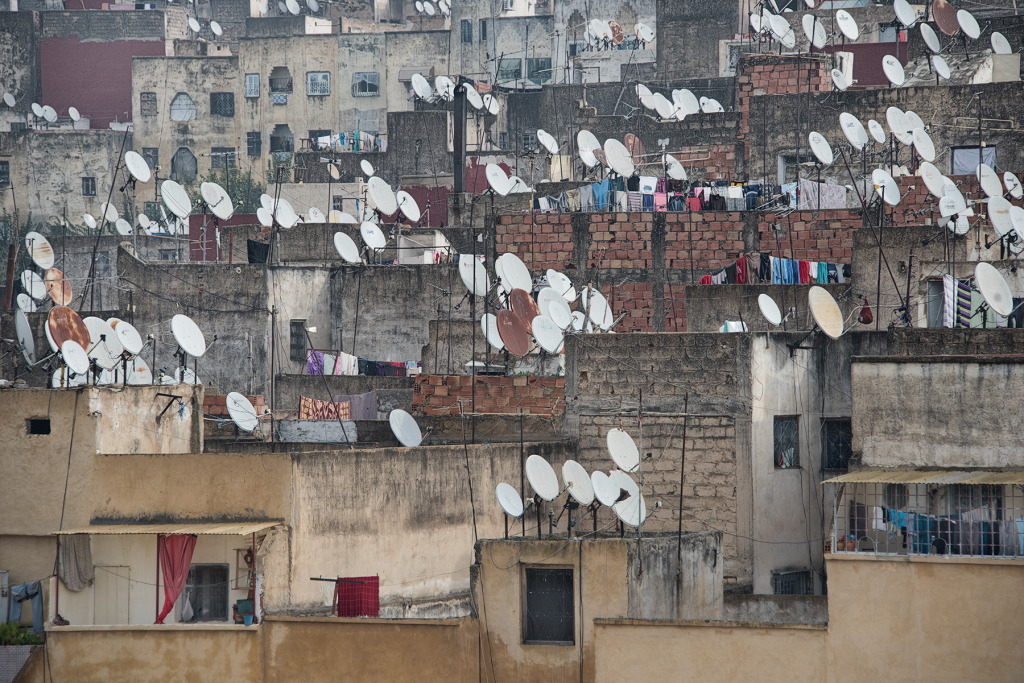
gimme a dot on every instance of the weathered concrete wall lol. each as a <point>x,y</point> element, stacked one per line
<point>709,306</point>
<point>964,419</point>
<point>392,392</point>
<point>777,609</point>
<point>19,65</point>
<point>676,577</point>
<point>688,32</point>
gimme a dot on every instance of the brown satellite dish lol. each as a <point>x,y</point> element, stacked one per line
<point>636,148</point>
<point>524,307</point>
<point>617,35</point>
<point>599,153</point>
<point>57,287</point>
<point>66,325</point>
<point>945,17</point>
<point>513,333</point>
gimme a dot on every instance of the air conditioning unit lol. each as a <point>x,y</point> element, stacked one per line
<point>508,5</point>
<point>845,64</point>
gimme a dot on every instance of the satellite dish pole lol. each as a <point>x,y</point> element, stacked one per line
<point>459,136</point>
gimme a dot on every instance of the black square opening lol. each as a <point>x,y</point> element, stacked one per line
<point>550,608</point>
<point>37,425</point>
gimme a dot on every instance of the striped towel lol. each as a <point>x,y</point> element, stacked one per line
<point>948,300</point>
<point>963,304</point>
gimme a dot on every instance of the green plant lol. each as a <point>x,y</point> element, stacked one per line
<point>12,634</point>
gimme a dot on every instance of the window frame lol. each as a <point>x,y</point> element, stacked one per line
<point>826,422</point>
<point>524,145</point>
<point>546,70</point>
<point>147,100</point>
<point>483,30</point>
<point>88,186</point>
<point>194,589</point>
<point>797,576</point>
<point>776,461</point>
<point>225,101</point>
<point>504,73</point>
<point>358,76</point>
<point>5,172</point>
<point>180,177</point>
<point>323,76</point>
<point>299,325</point>
<point>193,109</point>
<point>526,609</point>
<point>252,86</point>
<point>219,156</point>
<point>466,31</point>
<point>250,146</point>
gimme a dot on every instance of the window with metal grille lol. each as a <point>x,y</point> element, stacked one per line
<point>252,85</point>
<point>538,70</point>
<point>798,582</point>
<point>183,165</point>
<point>787,442</point>
<point>336,202</point>
<point>510,69</point>
<point>89,186</point>
<point>222,104</point>
<point>318,83</point>
<point>152,157</point>
<point>483,29</point>
<point>280,80</point>
<point>207,589</point>
<point>550,609</point>
<point>298,341</point>
<point>365,84</point>
<point>221,157</point>
<point>183,108</point>
<point>253,143</point>
<point>837,444</point>
<point>5,173</point>
<point>467,30</point>
<point>503,140</point>
<point>528,141</point>
<point>935,303</point>
<point>147,103</point>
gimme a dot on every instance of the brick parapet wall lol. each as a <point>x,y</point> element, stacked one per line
<point>453,395</point>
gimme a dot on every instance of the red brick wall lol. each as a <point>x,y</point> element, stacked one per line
<point>811,235</point>
<point>217,405</point>
<point>717,162</point>
<point>716,238</point>
<point>453,395</point>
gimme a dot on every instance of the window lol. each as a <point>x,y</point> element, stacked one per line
<point>318,83</point>
<point>253,143</point>
<point>483,30</point>
<point>510,69</point>
<point>965,159</point>
<point>365,84</point>
<point>538,70</point>
<point>252,85</point>
<point>336,202</point>
<point>152,157</point>
<point>5,173</point>
<point>103,269</point>
<point>787,453</point>
<point>207,589</point>
<point>183,108</point>
<point>222,104</point>
<point>550,611</point>
<point>147,103</point>
<point>467,30</point>
<point>503,140</point>
<point>221,156</point>
<point>280,80</point>
<point>797,582</point>
<point>282,140</point>
<point>935,304</point>
<point>278,98</point>
<point>37,425</point>
<point>528,141</point>
<point>89,186</point>
<point>183,165</point>
<point>168,254</point>
<point>298,341</point>
<point>837,444</point>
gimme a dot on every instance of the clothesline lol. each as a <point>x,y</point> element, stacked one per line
<point>341,363</point>
<point>651,193</point>
<point>767,269</point>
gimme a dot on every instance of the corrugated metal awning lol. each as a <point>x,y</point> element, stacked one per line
<point>405,75</point>
<point>198,528</point>
<point>928,477</point>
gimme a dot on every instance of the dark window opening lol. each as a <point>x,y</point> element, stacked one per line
<point>793,583</point>
<point>336,202</point>
<point>184,165</point>
<point>89,186</point>
<point>366,84</point>
<point>152,157</point>
<point>280,80</point>
<point>483,29</point>
<point>550,608</point>
<point>207,589</point>
<point>5,173</point>
<point>282,140</point>
<point>222,104</point>
<point>147,103</point>
<point>298,341</point>
<point>538,70</point>
<point>837,444</point>
<point>787,442</point>
<point>221,157</point>
<point>467,30</point>
<point>37,425</point>
<point>253,143</point>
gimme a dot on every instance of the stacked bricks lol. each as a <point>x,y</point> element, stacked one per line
<point>217,405</point>
<point>542,241</point>
<point>453,395</point>
<point>811,236</point>
<point>713,239</point>
<point>620,240</point>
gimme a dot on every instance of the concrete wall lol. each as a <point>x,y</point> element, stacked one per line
<point>964,420</point>
<point>688,33</point>
<point>19,65</point>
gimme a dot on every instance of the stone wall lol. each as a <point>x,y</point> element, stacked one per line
<point>688,32</point>
<point>454,395</point>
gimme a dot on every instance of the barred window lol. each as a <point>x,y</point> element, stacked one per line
<point>787,442</point>
<point>183,108</point>
<point>297,346</point>
<point>318,83</point>
<point>528,141</point>
<point>222,104</point>
<point>538,70</point>
<point>89,186</point>
<point>365,84</point>
<point>221,157</point>
<point>836,444</point>
<point>550,609</point>
<point>254,143</point>
<point>5,173</point>
<point>280,80</point>
<point>467,30</point>
<point>510,69</point>
<point>252,85</point>
<point>798,582</point>
<point>147,103</point>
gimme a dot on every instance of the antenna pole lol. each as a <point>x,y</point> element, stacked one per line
<point>640,493</point>
<point>522,467</point>
<point>682,481</point>
<point>355,326</point>
<point>459,141</point>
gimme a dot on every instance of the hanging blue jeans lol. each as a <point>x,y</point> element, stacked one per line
<point>28,591</point>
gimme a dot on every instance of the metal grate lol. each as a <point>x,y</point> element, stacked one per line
<point>787,442</point>
<point>318,83</point>
<point>222,104</point>
<point>794,582</point>
<point>207,590</point>
<point>89,186</point>
<point>365,84</point>
<point>253,143</point>
<point>550,608</point>
<point>837,444</point>
<point>147,103</point>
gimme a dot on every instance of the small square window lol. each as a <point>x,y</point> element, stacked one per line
<point>510,69</point>
<point>253,143</point>
<point>5,173</point>
<point>297,331</point>
<point>222,104</point>
<point>467,30</point>
<point>152,157</point>
<point>799,582</point>
<point>550,614</point>
<point>528,141</point>
<point>252,85</point>
<point>365,84</point>
<point>318,83</point>
<point>336,202</point>
<point>37,425</point>
<point>89,186</point>
<point>147,103</point>
<point>538,70</point>
<point>837,444</point>
<point>221,157</point>
<point>787,442</point>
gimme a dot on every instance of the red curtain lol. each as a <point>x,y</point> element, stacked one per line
<point>175,553</point>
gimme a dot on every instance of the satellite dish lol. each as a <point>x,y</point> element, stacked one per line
<point>579,319</point>
<point>769,309</point>
<point>74,115</point>
<point>57,287</point>
<point>313,5</point>
<point>605,491</point>
<point>933,178</point>
<point>1017,220</point>
<point>839,80</point>
<point>854,130</point>
<point>175,198</point>
<point>419,6</point>
<point>897,120</point>
<point>711,106</point>
<point>968,24</point>
<point>548,141</point>
<point>885,186</point>
<point>598,310</point>
<point>623,450</point>
<point>193,24</point>
<point>951,204</point>
<point>408,206</point>
<point>123,227</point>
<point>49,113</point>
<point>587,140</point>
<point>993,288</point>
<point>26,341</point>
<point>346,247</point>
<point>9,99</point>
<point>755,22</point>
<point>264,216</point>
<point>990,183</point>
<point>923,144</point>
<point>999,214</point>
<point>512,332</point>
<point>281,7</point>
<point>188,335</point>
<point>405,429</point>
<point>664,108</point>
<point>931,39</point>
<point>645,33</point>
<point>74,357</point>
<point>444,7</point>
<point>825,312</point>
<point>820,147</point>
<point>428,7</point>
<point>137,166</point>
<point>847,25</point>
<point>525,308</point>
<point>545,297</point>
<point>39,250</point>
<point>421,87</point>
<point>217,30</point>
<point>674,169</point>
<point>470,267</point>
<point>37,110</point>
<point>578,483</point>
<point>560,313</point>
<point>285,214</point>
<point>242,412</point>
<point>686,101</point>
<point>547,334</point>
<point>782,31</point>
<point>104,346</point>
<point>267,202</point>
<point>63,323</point>
<point>129,337</point>
<point>815,31</point>
<point>144,222</point>
<point>372,236</point>
<point>542,478</point>
<point>877,132</point>
<point>913,120</point>
<point>643,92</point>
<point>626,509</point>
<point>518,185</point>
<point>561,284</point>
<point>334,172</point>
<point>292,6</point>
<point>472,96</point>
<point>513,273</point>
<point>945,17</point>
<point>445,88</point>
<point>497,179</point>
<point>509,500</point>
<point>33,285</point>
<point>382,195</point>
<point>89,221</point>
<point>217,200</point>
<point>489,324</point>
<point>619,158</point>
<point>1000,45</point>
<point>904,12</point>
<point>893,70</point>
<point>1013,185</point>
<point>316,215</point>
<point>25,303</point>
<point>109,212</point>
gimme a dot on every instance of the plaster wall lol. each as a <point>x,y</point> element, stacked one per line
<point>19,65</point>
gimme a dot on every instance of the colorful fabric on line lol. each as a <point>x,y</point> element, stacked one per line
<point>634,201</point>
<point>805,272</point>
<point>317,409</point>
<point>948,300</point>
<point>741,270</point>
<point>963,304</point>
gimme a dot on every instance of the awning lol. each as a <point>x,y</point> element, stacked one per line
<point>200,529</point>
<point>928,477</point>
<point>405,75</point>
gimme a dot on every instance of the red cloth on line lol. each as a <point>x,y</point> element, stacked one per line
<point>805,272</point>
<point>741,270</point>
<point>706,280</point>
<point>359,596</point>
<point>175,553</point>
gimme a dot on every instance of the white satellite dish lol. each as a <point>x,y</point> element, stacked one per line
<point>316,215</point>
<point>109,212</point>
<point>335,174</point>
<point>105,348</point>
<point>990,183</point>
<point>474,275</point>
<point>489,324</point>
<point>144,222</point>
<point>755,22</point>
<point>662,105</point>
<point>513,273</point>
<point>428,7</point>
<point>444,7</point>
<point>313,5</point>
<point>421,87</point>
<point>923,144</point>
<point>9,99</point>
<point>188,335</point>
<point>913,120</point>
<point>33,285</point>
<point>877,131</point>
<point>74,357</point>
<point>193,24</point>
<point>39,250</point>
<point>904,12</point>
<point>509,500</point>
<point>968,24</point>
<point>49,113</point>
<point>605,491</point>
<point>405,429</point>
<point>285,214</point>
<point>89,221</point>
<point>561,283</point>
<point>847,25</point>
<point>885,186</point>
<point>366,167</point>
<point>217,30</point>
<point>129,337</point>
<point>825,311</point>
<point>408,206</point>
<point>25,303</point>
<point>933,178</point>
<point>560,313</point>
<point>674,169</point>
<point>123,227</point>
<point>242,412</point>
<point>820,147</point>
<point>497,179</point>
<point>598,310</point>
<point>217,200</point>
<point>346,248</point>
<point>815,31</point>
<point>542,478</point>
<point>931,39</point>
<point>578,483</point>
<point>619,158</point>
<point>372,235</point>
<point>26,341</point>
<point>472,96</point>
<point>951,205</point>
<point>782,31</point>
<point>490,103</point>
<point>893,70</point>
<point>265,217</point>
<point>993,288</point>
<point>839,80</point>
<point>623,450</point>
<point>292,6</point>
<point>547,334</point>
<point>419,6</point>
<point>267,202</point>
<point>137,166</point>
<point>686,101</point>
<point>445,88</point>
<point>631,509</point>
<point>37,110</point>
<point>645,33</point>
<point>175,198</point>
<point>1000,45</point>
<point>382,196</point>
<point>898,122</point>
<point>769,309</point>
<point>854,130</point>
<point>1012,184</point>
<point>547,140</point>
<point>999,214</point>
